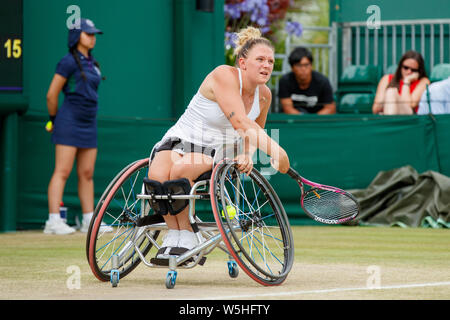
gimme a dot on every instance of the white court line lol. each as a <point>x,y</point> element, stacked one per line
<point>293,293</point>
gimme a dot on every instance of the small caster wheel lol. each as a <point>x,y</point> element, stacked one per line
<point>233,269</point>
<point>115,278</point>
<point>114,271</point>
<point>171,279</point>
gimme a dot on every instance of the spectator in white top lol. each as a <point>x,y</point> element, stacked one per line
<point>436,99</point>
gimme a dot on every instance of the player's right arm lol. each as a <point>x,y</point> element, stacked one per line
<point>55,88</point>
<point>225,87</point>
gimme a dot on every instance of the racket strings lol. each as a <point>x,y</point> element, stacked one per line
<point>332,205</point>
<point>329,205</point>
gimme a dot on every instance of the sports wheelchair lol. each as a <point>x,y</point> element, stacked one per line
<point>248,223</point>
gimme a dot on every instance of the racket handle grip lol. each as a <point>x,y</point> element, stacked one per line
<point>293,174</point>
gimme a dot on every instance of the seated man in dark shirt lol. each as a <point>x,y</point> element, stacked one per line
<point>304,90</point>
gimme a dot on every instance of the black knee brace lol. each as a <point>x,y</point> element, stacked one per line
<point>153,187</point>
<point>169,188</point>
<point>177,187</point>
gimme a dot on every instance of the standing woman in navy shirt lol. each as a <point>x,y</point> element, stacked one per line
<point>74,130</point>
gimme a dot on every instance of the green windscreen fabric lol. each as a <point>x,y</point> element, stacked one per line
<point>346,151</point>
<point>403,197</point>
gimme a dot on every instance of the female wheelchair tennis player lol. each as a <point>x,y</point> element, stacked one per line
<point>157,195</point>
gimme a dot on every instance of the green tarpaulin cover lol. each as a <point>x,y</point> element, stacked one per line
<point>403,197</point>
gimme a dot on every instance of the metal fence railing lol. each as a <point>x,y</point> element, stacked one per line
<point>384,46</point>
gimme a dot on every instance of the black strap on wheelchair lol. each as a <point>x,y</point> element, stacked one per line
<point>204,176</point>
<point>149,220</point>
<point>177,187</point>
<point>170,188</point>
<point>153,187</point>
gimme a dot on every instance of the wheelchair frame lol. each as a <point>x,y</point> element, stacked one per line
<point>219,234</point>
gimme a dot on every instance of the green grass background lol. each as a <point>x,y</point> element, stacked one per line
<point>34,266</point>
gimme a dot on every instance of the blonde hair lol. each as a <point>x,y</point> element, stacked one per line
<point>246,39</point>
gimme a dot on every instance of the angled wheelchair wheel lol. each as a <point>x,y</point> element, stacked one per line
<point>113,231</point>
<point>102,200</point>
<point>253,223</point>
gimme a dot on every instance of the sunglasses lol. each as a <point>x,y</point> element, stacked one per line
<point>302,65</point>
<point>406,68</point>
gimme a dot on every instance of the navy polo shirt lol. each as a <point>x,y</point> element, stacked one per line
<point>77,90</point>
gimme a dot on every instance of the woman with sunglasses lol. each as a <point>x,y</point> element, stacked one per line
<point>400,93</point>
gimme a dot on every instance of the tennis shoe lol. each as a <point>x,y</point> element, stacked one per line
<point>57,226</point>
<point>188,239</point>
<point>103,227</point>
<point>170,240</point>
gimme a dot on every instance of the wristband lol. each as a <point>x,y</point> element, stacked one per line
<point>52,118</point>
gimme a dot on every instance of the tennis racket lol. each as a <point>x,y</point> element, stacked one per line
<point>325,204</point>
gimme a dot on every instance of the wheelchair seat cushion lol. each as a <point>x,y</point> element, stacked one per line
<point>204,176</point>
<point>153,187</point>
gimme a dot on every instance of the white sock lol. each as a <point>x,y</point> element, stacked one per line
<point>187,234</point>
<point>87,216</point>
<point>175,232</point>
<point>173,235</point>
<point>54,216</point>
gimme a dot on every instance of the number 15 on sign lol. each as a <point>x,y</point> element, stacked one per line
<point>13,48</point>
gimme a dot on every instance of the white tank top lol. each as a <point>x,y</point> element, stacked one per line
<point>203,122</point>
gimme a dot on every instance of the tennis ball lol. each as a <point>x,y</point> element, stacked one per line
<point>49,126</point>
<point>231,210</point>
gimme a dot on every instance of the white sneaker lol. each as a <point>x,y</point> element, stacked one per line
<point>57,226</point>
<point>171,238</point>
<point>170,241</point>
<point>188,239</point>
<point>103,226</point>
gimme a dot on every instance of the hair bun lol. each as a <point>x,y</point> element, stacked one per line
<point>245,35</point>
